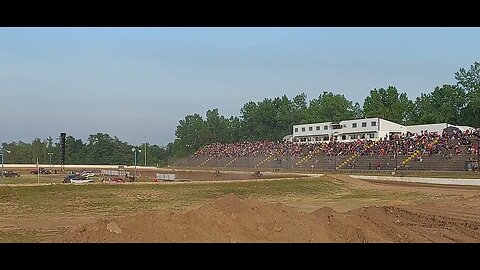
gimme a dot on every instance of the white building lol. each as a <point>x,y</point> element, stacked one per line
<point>350,130</point>
<point>429,127</point>
<point>435,128</point>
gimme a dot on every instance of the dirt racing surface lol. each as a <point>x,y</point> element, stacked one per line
<point>231,219</point>
<point>211,176</point>
<point>145,175</point>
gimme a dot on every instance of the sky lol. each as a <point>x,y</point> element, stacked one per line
<point>138,83</point>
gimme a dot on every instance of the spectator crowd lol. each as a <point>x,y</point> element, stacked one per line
<point>446,144</point>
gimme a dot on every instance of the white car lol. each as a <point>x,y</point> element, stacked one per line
<point>80,181</point>
<point>87,174</point>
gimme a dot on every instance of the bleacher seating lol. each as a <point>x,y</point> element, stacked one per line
<point>424,151</point>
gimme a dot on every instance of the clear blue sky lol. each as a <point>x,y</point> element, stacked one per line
<point>137,83</point>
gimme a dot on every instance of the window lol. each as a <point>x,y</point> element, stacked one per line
<point>309,139</point>
<point>303,129</point>
<point>374,123</point>
<point>317,139</point>
<point>344,126</point>
<point>372,135</point>
<point>325,138</point>
<point>318,127</point>
<point>363,136</point>
<point>364,124</point>
<point>325,127</point>
<point>336,126</point>
<point>353,137</point>
<point>344,137</point>
<point>354,125</point>
<point>310,128</point>
<point>296,129</point>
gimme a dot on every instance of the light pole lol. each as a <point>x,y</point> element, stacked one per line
<point>50,159</point>
<point>38,173</point>
<point>1,154</point>
<point>146,153</point>
<point>189,155</point>
<point>134,150</point>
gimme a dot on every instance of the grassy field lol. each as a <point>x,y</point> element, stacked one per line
<point>37,213</point>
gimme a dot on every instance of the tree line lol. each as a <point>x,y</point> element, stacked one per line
<point>100,148</point>
<point>270,119</point>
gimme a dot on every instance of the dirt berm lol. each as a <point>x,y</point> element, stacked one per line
<point>231,219</point>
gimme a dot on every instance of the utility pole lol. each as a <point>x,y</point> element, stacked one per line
<point>2,154</point>
<point>145,153</point>
<point>134,150</point>
<point>50,159</point>
<point>38,173</point>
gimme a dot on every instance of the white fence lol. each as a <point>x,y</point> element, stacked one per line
<point>440,181</point>
<point>165,176</point>
<point>114,173</point>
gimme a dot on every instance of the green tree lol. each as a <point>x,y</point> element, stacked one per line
<point>443,104</point>
<point>469,81</point>
<point>248,115</point>
<point>390,105</point>
<point>331,107</point>
<point>234,129</point>
<point>191,133</point>
<point>39,150</point>
<point>272,119</point>
<point>299,103</point>
<point>217,127</point>
<point>288,113</point>
<point>73,151</point>
<point>157,156</point>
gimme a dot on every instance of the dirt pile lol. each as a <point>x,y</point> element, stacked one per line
<point>231,219</point>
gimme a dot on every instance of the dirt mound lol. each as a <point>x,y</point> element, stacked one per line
<point>231,219</point>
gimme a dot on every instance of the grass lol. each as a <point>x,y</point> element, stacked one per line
<point>102,198</point>
<point>65,202</point>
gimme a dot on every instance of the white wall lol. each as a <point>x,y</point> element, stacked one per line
<point>388,126</point>
<point>429,127</point>
<point>359,128</point>
<point>347,128</point>
<point>381,130</point>
<point>314,132</point>
<point>440,181</point>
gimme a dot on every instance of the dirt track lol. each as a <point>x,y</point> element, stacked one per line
<point>335,208</point>
<point>230,219</point>
<point>190,175</point>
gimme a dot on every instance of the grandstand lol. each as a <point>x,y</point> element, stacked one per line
<point>439,147</point>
